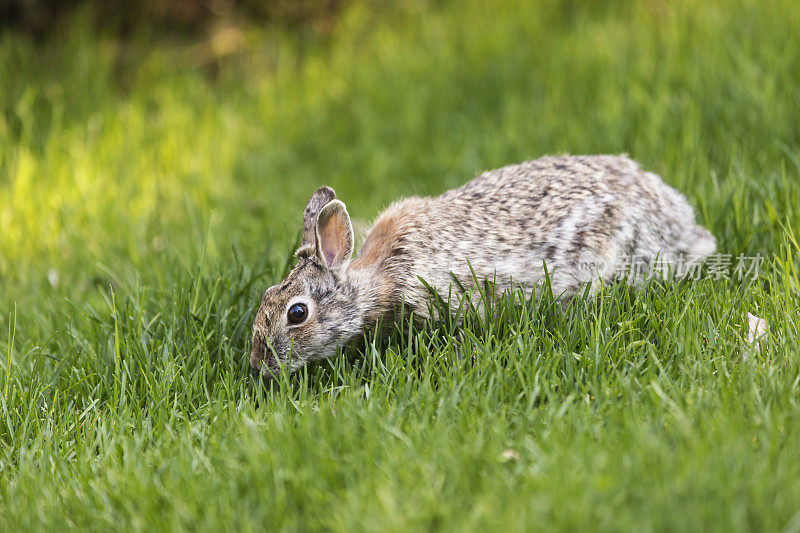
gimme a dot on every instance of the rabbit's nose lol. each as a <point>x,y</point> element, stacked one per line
<point>263,359</point>
<point>255,361</point>
<point>256,353</point>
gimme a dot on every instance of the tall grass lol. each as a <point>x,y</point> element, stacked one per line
<point>146,202</point>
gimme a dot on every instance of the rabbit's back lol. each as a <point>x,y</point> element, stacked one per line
<point>585,217</point>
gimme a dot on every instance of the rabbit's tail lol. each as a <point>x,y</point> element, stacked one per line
<point>700,243</point>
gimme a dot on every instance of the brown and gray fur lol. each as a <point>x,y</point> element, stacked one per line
<point>567,212</point>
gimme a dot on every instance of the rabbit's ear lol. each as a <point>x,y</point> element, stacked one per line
<point>334,234</point>
<point>318,200</point>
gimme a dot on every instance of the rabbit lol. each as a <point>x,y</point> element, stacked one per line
<point>582,218</point>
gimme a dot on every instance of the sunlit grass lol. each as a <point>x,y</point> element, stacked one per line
<point>145,204</point>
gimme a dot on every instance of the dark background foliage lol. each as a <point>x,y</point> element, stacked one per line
<point>42,17</point>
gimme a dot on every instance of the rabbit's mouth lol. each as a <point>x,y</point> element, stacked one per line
<point>295,365</point>
<point>268,369</point>
<point>263,359</point>
<point>264,374</point>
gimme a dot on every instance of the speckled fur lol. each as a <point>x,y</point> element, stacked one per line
<point>569,211</point>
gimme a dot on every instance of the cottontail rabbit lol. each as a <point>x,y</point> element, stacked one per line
<point>584,217</point>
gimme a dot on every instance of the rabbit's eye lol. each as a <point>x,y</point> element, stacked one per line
<point>297,313</point>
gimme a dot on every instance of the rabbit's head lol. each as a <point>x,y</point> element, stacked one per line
<point>306,315</point>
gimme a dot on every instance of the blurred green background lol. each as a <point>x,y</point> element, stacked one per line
<point>117,146</point>
<point>155,158</point>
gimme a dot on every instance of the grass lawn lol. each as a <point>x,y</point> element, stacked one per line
<point>148,196</point>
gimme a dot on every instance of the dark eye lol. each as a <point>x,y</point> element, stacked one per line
<point>297,313</point>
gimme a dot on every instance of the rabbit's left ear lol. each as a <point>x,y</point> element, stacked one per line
<point>334,234</point>
<point>321,197</point>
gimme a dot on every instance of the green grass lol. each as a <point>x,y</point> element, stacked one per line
<point>147,200</point>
